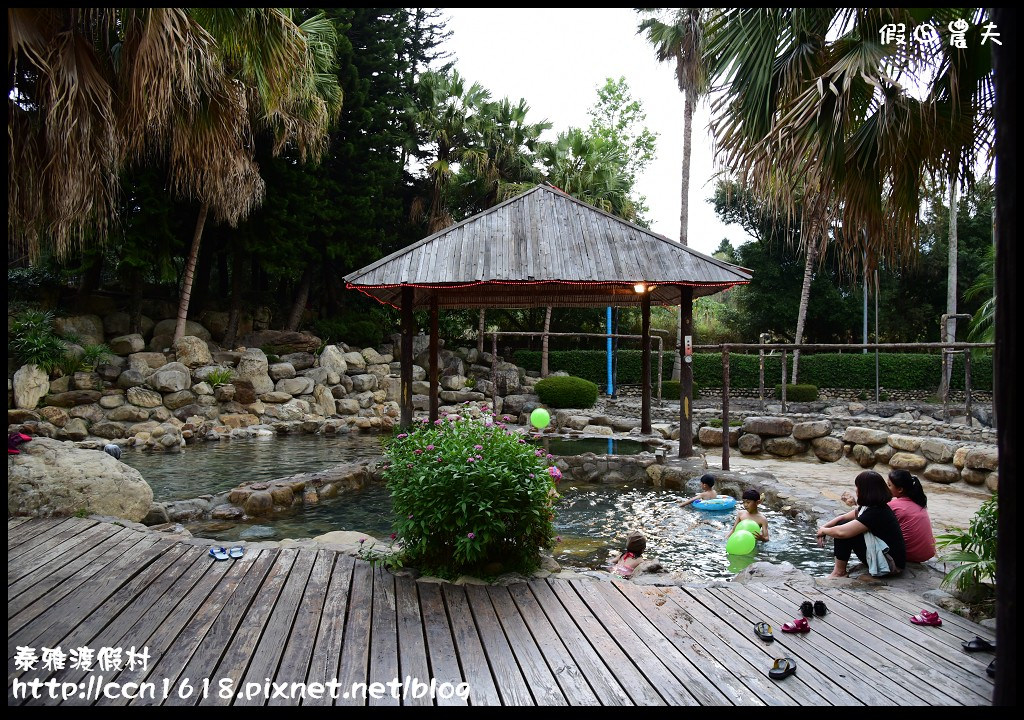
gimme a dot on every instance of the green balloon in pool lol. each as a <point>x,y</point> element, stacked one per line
<point>540,418</point>
<point>740,542</point>
<point>750,526</point>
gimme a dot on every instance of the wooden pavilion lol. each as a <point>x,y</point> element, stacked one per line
<point>544,248</point>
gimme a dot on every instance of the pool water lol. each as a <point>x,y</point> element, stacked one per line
<point>592,519</point>
<point>599,446</point>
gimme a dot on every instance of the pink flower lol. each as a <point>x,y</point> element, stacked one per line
<point>410,517</point>
<point>402,436</point>
<point>558,538</point>
<point>555,473</point>
<point>439,458</point>
<point>439,421</point>
<point>506,418</point>
<point>417,451</point>
<point>470,459</point>
<point>550,456</point>
<point>478,447</point>
<point>538,453</point>
<point>408,465</point>
<point>471,536</point>
<point>362,540</point>
<point>531,476</point>
<point>521,441</point>
<point>394,535</point>
<point>430,447</point>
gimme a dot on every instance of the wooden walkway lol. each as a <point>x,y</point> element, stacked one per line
<point>309,616</point>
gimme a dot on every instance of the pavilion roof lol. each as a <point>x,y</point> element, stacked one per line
<point>540,248</point>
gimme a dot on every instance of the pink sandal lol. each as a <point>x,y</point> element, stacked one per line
<point>927,617</point>
<point>799,625</point>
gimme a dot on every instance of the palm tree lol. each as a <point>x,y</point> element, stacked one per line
<point>829,122</point>
<point>682,41</point>
<point>591,169</point>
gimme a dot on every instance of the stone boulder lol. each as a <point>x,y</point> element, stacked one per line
<point>905,443</point>
<point>355,363</point>
<point>969,475</point>
<point>941,473</point>
<point>254,368</point>
<point>299,361</point>
<point>982,459</point>
<point>363,383</point>
<point>172,377</point>
<point>768,426</point>
<point>827,449</point>
<point>30,386</point>
<point>166,327</point>
<point>87,328</point>
<point>865,436</point>
<point>938,450</point>
<point>749,444</point>
<point>784,446</point>
<point>192,351</point>
<point>282,342</point>
<point>119,323</point>
<point>72,398</point>
<point>863,456</point>
<point>127,344</point>
<point>51,478</point>
<point>812,430</point>
<point>373,357</point>
<point>130,379</point>
<point>908,461</point>
<point>295,386</point>
<point>146,361</point>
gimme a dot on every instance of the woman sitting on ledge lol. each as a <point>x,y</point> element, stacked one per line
<point>872,520</point>
<point>909,503</point>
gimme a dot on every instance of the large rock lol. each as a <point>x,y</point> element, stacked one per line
<point>87,328</point>
<point>282,342</point>
<point>73,397</point>
<point>130,413</point>
<point>51,478</point>
<point>295,386</point>
<point>941,473</point>
<point>77,429</point>
<point>768,426</point>
<point>127,344</point>
<point>784,446</point>
<point>166,327</point>
<point>363,383</point>
<point>514,404</point>
<point>908,461</point>
<point>938,450</point>
<point>865,436</point>
<point>332,360</point>
<point>970,476</point>
<point>107,429</point>
<point>253,367</point>
<point>827,449</point>
<point>348,406</point>
<point>749,444</point>
<point>300,361</point>
<point>54,415</point>
<point>172,377</point>
<point>180,399</point>
<point>323,398</point>
<point>130,378</point>
<point>143,397</point>
<point>30,386</point>
<point>812,430</point>
<point>144,361</point>
<point>906,443</point>
<point>281,371</point>
<point>863,456</point>
<point>192,351</point>
<point>982,459</point>
<point>373,357</point>
<point>355,363</point>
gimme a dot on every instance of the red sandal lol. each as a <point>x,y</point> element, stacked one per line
<point>927,617</point>
<point>799,625</point>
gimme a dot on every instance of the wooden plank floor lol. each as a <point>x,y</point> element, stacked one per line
<point>257,630</point>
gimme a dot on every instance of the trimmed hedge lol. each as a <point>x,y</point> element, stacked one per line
<point>897,371</point>
<point>797,393</point>
<point>566,392</point>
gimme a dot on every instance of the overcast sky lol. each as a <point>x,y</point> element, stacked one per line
<point>556,58</point>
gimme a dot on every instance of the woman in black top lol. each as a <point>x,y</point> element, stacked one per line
<point>873,515</point>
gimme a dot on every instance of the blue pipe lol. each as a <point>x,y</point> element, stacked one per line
<point>608,352</point>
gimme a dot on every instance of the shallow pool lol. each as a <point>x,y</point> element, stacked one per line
<point>599,446</point>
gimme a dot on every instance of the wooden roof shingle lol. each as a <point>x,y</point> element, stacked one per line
<point>543,247</point>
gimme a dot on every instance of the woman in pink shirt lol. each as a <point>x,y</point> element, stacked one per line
<point>909,505</point>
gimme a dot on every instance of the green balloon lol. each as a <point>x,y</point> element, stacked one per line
<point>740,542</point>
<point>750,526</point>
<point>540,418</point>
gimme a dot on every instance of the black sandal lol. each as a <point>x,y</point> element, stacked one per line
<point>978,644</point>
<point>819,608</point>
<point>807,609</point>
<point>764,631</point>
<point>782,669</point>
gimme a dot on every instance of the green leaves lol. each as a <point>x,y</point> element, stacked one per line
<point>466,493</point>
<point>976,553</point>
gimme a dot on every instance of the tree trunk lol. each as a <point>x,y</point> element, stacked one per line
<point>301,296</point>
<point>480,333</point>
<point>544,344</point>
<point>689,104</point>
<point>237,268</point>
<point>805,294</point>
<point>949,328</point>
<point>190,269</point>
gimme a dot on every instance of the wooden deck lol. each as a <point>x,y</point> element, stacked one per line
<point>313,615</point>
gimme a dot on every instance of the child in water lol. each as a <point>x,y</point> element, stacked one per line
<point>707,490</point>
<point>625,563</point>
<point>750,512</point>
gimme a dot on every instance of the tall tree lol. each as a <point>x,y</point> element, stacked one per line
<point>680,40</point>
<point>812,112</point>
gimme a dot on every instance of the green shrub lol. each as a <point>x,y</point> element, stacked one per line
<point>566,392</point>
<point>975,549</point>
<point>670,390</point>
<point>32,341</point>
<point>220,376</point>
<point>798,393</point>
<point>467,494</point>
<point>93,355</point>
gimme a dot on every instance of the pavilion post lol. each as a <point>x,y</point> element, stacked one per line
<point>645,398</point>
<point>725,407</point>
<point>407,330</point>
<point>685,373</point>
<point>494,372</point>
<point>433,358</point>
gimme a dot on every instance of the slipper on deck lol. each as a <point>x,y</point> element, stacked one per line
<point>807,609</point>
<point>819,608</point>
<point>764,631</point>
<point>218,553</point>
<point>782,669</point>
<point>978,644</point>
<point>799,625</point>
<point>927,617</point>
<point>236,552</point>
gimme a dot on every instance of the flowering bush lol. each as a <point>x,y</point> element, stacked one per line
<point>468,493</point>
